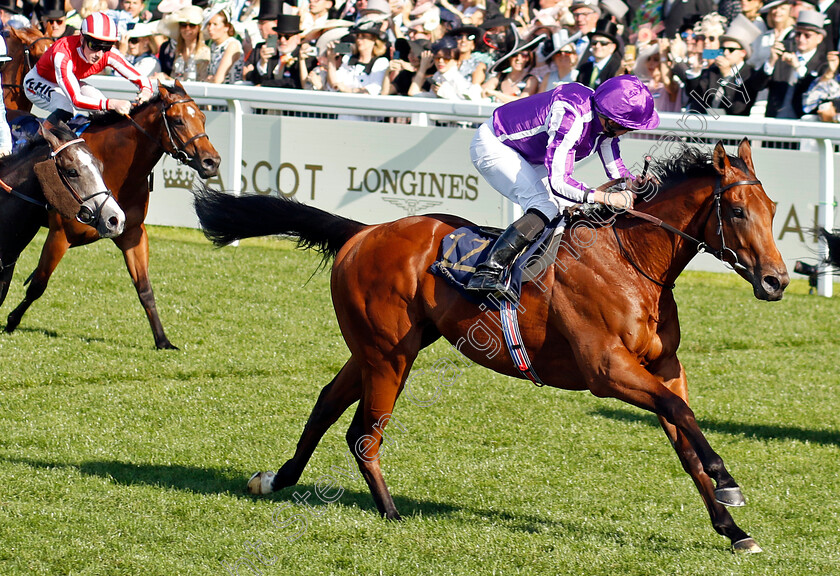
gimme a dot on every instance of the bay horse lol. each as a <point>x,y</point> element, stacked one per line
<point>129,148</point>
<point>55,169</point>
<point>602,317</point>
<point>24,46</point>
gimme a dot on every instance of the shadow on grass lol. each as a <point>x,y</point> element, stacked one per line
<point>761,431</point>
<point>30,330</point>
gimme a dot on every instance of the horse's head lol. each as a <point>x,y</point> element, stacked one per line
<point>71,180</point>
<point>741,225</point>
<point>187,140</point>
<point>24,46</point>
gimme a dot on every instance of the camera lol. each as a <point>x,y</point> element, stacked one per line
<point>809,270</point>
<point>344,48</point>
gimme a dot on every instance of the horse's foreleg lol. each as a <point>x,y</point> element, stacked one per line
<point>334,399</point>
<point>55,247</point>
<point>624,378</point>
<point>134,244</point>
<point>722,521</point>
<point>6,273</point>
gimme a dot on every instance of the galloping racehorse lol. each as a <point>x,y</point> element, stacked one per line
<point>57,169</point>
<point>601,318</point>
<point>24,46</point>
<point>129,147</point>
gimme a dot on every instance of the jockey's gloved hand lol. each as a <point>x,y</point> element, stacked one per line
<point>5,151</point>
<point>119,106</point>
<point>144,96</point>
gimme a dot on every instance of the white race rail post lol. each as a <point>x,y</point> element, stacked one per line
<point>825,283</point>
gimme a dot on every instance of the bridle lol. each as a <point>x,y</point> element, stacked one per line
<point>27,58</point>
<point>178,151</point>
<point>702,247</point>
<point>85,214</point>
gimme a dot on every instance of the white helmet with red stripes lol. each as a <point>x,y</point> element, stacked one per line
<point>100,26</point>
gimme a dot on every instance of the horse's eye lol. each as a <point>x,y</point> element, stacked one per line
<point>73,173</point>
<point>738,212</point>
<point>178,122</point>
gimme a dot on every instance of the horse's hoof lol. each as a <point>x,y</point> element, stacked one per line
<point>746,546</point>
<point>166,346</point>
<point>260,483</point>
<point>730,496</point>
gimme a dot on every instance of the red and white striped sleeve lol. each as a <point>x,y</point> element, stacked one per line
<point>121,66</point>
<point>66,78</point>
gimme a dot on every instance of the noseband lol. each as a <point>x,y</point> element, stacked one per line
<point>178,151</point>
<point>702,246</point>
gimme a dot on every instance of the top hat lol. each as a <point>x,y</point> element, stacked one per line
<point>53,9</point>
<point>811,20</point>
<point>593,4</point>
<point>606,28</point>
<point>615,7</point>
<point>287,24</point>
<point>742,31</point>
<point>270,9</point>
<point>10,6</point>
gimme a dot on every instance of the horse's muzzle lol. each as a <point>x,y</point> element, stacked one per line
<point>771,286</point>
<point>207,166</point>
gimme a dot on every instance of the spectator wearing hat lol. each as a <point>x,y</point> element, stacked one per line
<point>289,64</point>
<point>679,14</point>
<point>752,10</point>
<point>316,76</point>
<point>472,61</point>
<point>447,82</point>
<point>793,66</point>
<point>226,59</point>
<point>586,14</point>
<point>405,65</point>
<point>139,52</point>
<point>619,13</point>
<point>606,60</point>
<point>191,56</point>
<point>363,70</point>
<point>560,52</point>
<point>831,10</point>
<point>730,83</point>
<point>780,27</point>
<point>269,10</point>
<point>317,13</point>
<point>54,20</point>
<point>10,15</point>
<point>510,78</point>
<point>655,68</point>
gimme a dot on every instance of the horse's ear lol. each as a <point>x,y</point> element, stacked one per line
<point>745,154</point>
<point>49,137</point>
<point>720,159</point>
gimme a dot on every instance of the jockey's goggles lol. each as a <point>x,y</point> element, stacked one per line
<point>98,45</point>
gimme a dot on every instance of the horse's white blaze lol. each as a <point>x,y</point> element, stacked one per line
<point>86,160</point>
<point>190,111</point>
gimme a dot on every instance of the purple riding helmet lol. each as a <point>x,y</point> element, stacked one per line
<point>624,99</point>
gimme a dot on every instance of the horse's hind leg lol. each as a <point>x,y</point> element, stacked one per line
<point>722,521</point>
<point>334,399</point>
<point>55,247</point>
<point>5,280</point>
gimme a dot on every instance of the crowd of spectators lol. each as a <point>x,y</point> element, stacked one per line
<point>774,58</point>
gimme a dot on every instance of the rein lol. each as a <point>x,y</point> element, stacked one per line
<point>178,153</point>
<point>702,247</point>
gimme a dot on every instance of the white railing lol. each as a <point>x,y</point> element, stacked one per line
<point>242,100</point>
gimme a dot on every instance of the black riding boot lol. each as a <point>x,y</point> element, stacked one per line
<point>56,117</point>
<point>517,237</point>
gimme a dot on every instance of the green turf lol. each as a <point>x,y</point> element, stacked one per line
<point>116,458</point>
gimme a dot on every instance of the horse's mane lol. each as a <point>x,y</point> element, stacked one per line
<point>689,162</point>
<point>111,117</point>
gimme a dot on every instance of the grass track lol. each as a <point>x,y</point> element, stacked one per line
<point>119,459</point>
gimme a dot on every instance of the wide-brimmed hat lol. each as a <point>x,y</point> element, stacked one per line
<point>219,8</point>
<point>469,30</point>
<point>606,28</point>
<point>169,25</point>
<point>287,24</point>
<point>743,32</point>
<point>172,6</point>
<point>376,6</point>
<point>143,29</point>
<point>325,25</point>
<point>557,41</point>
<point>770,5</point>
<point>519,46</point>
<point>811,20</point>
<point>369,27</point>
<point>645,53</point>
<point>53,9</point>
<point>330,36</point>
<point>10,6</point>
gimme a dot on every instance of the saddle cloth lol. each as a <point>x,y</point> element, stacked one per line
<point>26,127</point>
<point>464,249</point>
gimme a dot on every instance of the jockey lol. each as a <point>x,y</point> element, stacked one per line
<point>54,84</point>
<point>528,149</point>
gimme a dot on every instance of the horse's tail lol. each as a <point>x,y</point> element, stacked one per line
<point>226,218</point>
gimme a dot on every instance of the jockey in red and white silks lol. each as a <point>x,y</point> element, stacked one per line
<point>55,83</point>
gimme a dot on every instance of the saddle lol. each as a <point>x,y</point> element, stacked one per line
<point>467,247</point>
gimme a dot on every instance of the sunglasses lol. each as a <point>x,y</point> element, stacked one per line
<point>99,46</point>
<point>602,42</point>
<point>134,40</point>
<point>466,37</point>
<point>583,13</point>
<point>187,25</point>
<point>804,33</point>
<point>728,49</point>
<point>285,36</point>
<point>55,22</point>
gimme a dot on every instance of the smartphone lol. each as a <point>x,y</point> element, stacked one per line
<point>630,52</point>
<point>313,51</point>
<point>711,54</point>
<point>271,41</point>
<point>344,48</point>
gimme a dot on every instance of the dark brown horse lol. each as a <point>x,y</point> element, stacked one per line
<point>55,169</point>
<point>24,46</point>
<point>129,148</point>
<point>602,318</point>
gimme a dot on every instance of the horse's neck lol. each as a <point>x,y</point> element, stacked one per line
<point>661,253</point>
<point>19,175</point>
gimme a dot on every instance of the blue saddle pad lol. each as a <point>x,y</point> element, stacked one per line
<point>26,127</point>
<point>465,248</point>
